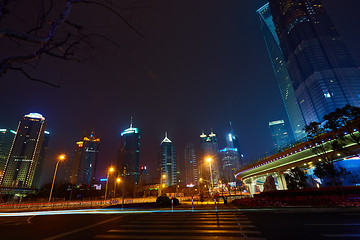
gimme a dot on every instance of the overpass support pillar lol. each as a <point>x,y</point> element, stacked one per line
<point>251,184</point>
<point>281,181</point>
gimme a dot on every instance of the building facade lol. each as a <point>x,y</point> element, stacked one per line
<point>167,163</point>
<point>209,150</point>
<point>128,159</point>
<point>6,140</point>
<point>281,73</point>
<point>25,151</point>
<point>85,161</point>
<point>324,75</point>
<point>279,134</point>
<point>191,170</point>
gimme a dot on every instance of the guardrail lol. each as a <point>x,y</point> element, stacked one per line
<point>67,205</point>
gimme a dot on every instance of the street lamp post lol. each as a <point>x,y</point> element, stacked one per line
<point>61,157</point>
<point>211,177</point>
<point>107,180</point>
<point>123,193</point>
<point>118,180</point>
<point>162,185</point>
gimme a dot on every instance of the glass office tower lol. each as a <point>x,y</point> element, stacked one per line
<point>282,75</point>
<point>6,140</point>
<point>84,168</point>
<point>129,156</point>
<point>24,154</point>
<point>323,73</point>
<point>168,163</point>
<point>279,133</point>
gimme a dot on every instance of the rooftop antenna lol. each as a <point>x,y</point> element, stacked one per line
<point>131,122</point>
<point>165,134</point>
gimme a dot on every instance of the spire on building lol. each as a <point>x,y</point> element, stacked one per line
<point>166,139</point>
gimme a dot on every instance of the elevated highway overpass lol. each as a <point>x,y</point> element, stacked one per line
<point>300,155</point>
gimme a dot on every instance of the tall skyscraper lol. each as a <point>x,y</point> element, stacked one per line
<point>279,133</point>
<point>129,156</point>
<point>6,139</point>
<point>231,158</point>
<point>41,161</point>
<point>281,73</point>
<point>209,149</point>
<point>323,73</point>
<point>191,171</point>
<point>24,154</point>
<point>85,161</point>
<point>167,163</point>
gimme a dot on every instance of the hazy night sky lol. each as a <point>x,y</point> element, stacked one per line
<point>201,64</point>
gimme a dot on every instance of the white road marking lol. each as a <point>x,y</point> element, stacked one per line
<point>81,229</point>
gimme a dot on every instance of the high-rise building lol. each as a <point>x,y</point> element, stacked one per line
<point>167,163</point>
<point>281,73</point>
<point>24,154</point>
<point>279,133</point>
<point>85,161</point>
<point>129,156</point>
<point>41,161</point>
<point>231,158</point>
<point>230,163</point>
<point>191,171</point>
<point>324,75</point>
<point>209,149</point>
<point>6,139</point>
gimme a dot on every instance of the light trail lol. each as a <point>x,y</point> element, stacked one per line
<point>116,211</point>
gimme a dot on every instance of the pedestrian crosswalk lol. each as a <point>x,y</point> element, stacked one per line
<point>186,225</point>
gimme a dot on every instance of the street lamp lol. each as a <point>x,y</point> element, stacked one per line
<point>118,180</point>
<point>211,178</point>
<point>111,169</point>
<point>60,158</point>
<point>162,185</point>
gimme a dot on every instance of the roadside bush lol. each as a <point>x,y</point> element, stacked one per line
<point>165,201</point>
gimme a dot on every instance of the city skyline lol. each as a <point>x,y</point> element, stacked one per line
<point>223,103</point>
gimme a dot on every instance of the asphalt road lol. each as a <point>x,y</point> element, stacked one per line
<point>203,223</point>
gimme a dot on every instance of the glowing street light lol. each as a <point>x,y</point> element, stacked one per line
<point>118,180</point>
<point>209,160</point>
<point>111,169</point>
<point>60,158</point>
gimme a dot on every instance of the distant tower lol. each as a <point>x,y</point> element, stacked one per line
<point>209,149</point>
<point>191,171</point>
<point>6,140</point>
<point>129,156</point>
<point>24,154</point>
<point>279,133</point>
<point>231,157</point>
<point>167,163</point>
<point>281,73</point>
<point>85,161</point>
<point>41,161</point>
<point>323,74</point>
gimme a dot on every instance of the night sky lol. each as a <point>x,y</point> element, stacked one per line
<point>201,64</point>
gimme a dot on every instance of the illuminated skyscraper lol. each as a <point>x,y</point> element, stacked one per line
<point>6,139</point>
<point>168,173</point>
<point>129,156</point>
<point>324,75</point>
<point>209,149</point>
<point>191,171</point>
<point>41,161</point>
<point>24,154</point>
<point>85,161</point>
<point>279,133</point>
<point>231,158</point>
<point>282,75</point>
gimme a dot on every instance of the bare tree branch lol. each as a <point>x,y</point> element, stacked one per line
<point>33,79</point>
